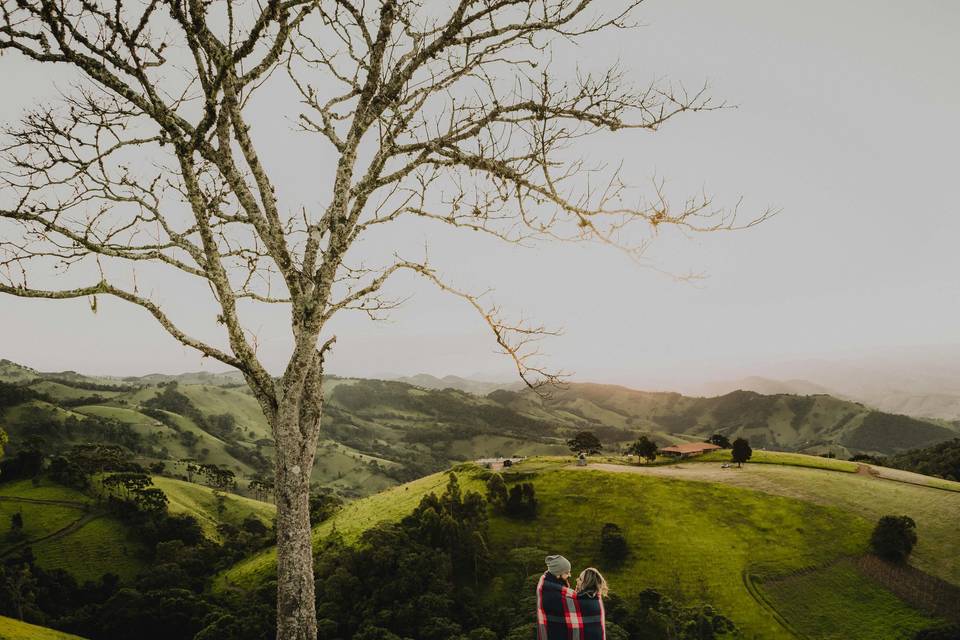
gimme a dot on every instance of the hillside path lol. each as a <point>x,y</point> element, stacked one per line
<point>60,503</point>
<point>70,529</point>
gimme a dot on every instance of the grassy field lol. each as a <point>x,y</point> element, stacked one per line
<point>915,478</point>
<point>39,520</point>
<point>11,629</point>
<point>691,540</point>
<point>936,512</point>
<point>98,547</point>
<point>836,603</point>
<point>45,490</point>
<point>200,502</point>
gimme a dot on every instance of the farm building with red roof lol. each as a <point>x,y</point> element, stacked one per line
<point>688,449</point>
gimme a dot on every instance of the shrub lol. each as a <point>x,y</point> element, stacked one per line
<point>522,501</point>
<point>894,537</point>
<point>613,544</point>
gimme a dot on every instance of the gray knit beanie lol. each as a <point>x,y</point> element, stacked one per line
<point>558,565</point>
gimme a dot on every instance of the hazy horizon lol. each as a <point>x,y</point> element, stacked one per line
<point>845,120</point>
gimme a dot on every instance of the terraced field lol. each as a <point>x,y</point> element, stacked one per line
<point>835,602</point>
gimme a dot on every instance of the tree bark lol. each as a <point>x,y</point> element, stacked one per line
<point>296,604</point>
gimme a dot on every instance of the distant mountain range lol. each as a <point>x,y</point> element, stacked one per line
<point>944,405</point>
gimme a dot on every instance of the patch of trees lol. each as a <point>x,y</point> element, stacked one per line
<point>324,506</point>
<point>42,422</point>
<point>14,394</point>
<point>653,616</point>
<point>894,537</point>
<point>518,501</point>
<point>720,440</point>
<point>89,385</point>
<point>81,401</point>
<point>223,425</point>
<point>942,460</point>
<point>253,457</point>
<point>212,475</point>
<point>862,457</point>
<point>160,605</point>
<point>25,464</point>
<point>801,406</point>
<point>415,579</point>
<point>889,432</point>
<point>75,467</point>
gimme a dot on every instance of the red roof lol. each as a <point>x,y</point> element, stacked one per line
<point>691,447</point>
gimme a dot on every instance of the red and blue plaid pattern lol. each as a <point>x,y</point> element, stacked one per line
<point>562,614</point>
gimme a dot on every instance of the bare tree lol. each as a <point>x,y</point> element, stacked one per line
<point>446,111</point>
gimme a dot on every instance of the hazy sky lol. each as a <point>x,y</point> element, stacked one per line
<point>846,120</point>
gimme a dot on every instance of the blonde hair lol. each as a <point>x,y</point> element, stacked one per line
<point>592,583</point>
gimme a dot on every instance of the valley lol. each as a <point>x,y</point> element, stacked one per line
<point>778,549</point>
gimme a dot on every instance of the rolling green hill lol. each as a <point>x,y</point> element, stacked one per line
<point>65,530</point>
<point>11,629</point>
<point>742,540</point>
<point>202,503</point>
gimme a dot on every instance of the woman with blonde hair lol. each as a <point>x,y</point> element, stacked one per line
<point>591,589</point>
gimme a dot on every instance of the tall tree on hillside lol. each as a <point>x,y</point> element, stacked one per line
<point>741,451</point>
<point>585,442</point>
<point>447,113</point>
<point>644,448</point>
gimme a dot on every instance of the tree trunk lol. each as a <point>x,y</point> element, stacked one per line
<point>296,605</point>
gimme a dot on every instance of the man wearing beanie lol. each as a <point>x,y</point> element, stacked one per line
<point>558,617</point>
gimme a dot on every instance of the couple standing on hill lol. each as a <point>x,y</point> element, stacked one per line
<point>570,614</point>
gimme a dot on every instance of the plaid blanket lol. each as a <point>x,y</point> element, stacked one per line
<point>562,614</point>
